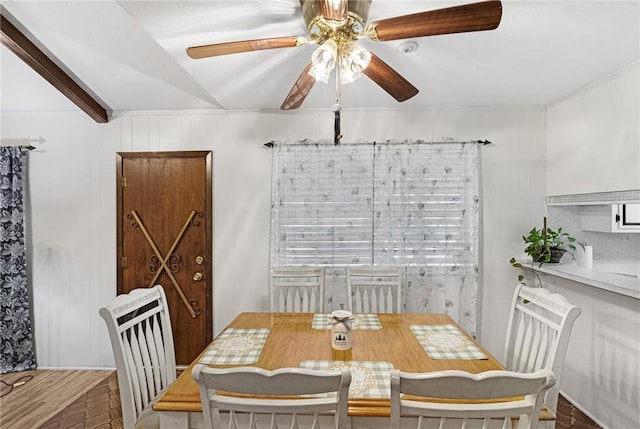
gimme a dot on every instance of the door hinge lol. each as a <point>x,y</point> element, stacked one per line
<point>123,182</point>
<point>124,262</point>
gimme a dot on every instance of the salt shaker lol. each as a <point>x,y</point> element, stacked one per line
<point>341,330</point>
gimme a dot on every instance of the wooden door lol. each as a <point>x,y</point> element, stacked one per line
<point>164,237</point>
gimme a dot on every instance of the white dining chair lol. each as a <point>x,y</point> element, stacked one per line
<point>297,289</point>
<point>538,332</point>
<point>434,394</point>
<point>142,342</point>
<point>374,289</point>
<point>272,398</point>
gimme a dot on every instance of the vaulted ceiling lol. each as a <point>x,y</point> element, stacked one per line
<point>131,54</point>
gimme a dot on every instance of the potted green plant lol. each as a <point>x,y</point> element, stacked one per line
<point>546,245</point>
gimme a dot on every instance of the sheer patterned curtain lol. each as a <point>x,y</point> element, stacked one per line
<point>409,204</point>
<point>16,345</point>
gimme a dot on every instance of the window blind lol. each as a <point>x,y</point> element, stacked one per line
<point>405,205</point>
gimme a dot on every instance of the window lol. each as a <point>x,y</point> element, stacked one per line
<point>413,205</point>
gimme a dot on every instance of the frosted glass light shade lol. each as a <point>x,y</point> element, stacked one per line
<point>350,58</point>
<point>324,61</point>
<point>353,60</point>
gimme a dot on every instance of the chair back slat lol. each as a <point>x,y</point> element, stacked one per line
<point>159,360</point>
<point>263,399</point>
<point>441,399</point>
<point>389,299</point>
<point>540,324</point>
<point>543,340</point>
<point>374,289</point>
<point>358,299</point>
<point>142,341</point>
<point>297,289</point>
<point>295,299</point>
<point>134,383</point>
<point>154,346</point>
<point>281,298</point>
<point>143,365</point>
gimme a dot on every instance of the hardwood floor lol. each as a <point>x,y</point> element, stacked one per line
<point>49,391</point>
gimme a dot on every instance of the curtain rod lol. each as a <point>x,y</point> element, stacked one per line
<point>22,146</point>
<point>270,144</point>
<point>23,143</point>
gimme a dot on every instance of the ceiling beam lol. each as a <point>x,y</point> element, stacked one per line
<point>20,45</point>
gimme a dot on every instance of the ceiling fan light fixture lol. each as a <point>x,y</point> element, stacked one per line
<point>324,60</point>
<point>349,57</point>
<point>353,60</point>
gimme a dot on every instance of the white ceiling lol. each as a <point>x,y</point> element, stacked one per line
<point>131,54</point>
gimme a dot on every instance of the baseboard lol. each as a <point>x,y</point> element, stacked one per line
<point>586,413</point>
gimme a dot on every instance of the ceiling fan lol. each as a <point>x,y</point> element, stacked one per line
<point>335,25</point>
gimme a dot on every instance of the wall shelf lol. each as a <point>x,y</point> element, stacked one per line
<point>621,284</point>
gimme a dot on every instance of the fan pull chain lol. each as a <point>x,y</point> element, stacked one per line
<point>336,125</point>
<point>336,110</point>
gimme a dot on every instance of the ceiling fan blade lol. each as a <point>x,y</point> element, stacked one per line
<point>300,90</point>
<point>334,10</point>
<point>389,79</point>
<point>457,19</point>
<point>216,49</point>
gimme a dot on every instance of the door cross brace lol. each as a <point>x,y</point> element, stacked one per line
<point>163,261</point>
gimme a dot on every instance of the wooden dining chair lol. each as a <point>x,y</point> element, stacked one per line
<point>142,342</point>
<point>297,289</point>
<point>458,399</point>
<point>273,400</point>
<point>374,289</point>
<point>538,332</point>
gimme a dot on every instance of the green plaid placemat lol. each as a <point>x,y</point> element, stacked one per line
<point>446,342</point>
<point>236,346</point>
<point>360,321</point>
<point>368,379</point>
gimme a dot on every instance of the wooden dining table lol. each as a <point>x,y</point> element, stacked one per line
<point>295,340</point>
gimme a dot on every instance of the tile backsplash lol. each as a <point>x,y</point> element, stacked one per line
<point>612,252</point>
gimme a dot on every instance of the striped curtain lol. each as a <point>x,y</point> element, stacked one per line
<point>412,204</point>
<point>16,343</point>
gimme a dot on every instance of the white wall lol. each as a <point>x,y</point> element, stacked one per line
<point>597,134</point>
<point>72,195</point>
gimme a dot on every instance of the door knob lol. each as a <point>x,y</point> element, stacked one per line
<point>197,277</point>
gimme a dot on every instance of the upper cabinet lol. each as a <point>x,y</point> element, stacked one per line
<point>593,137</point>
